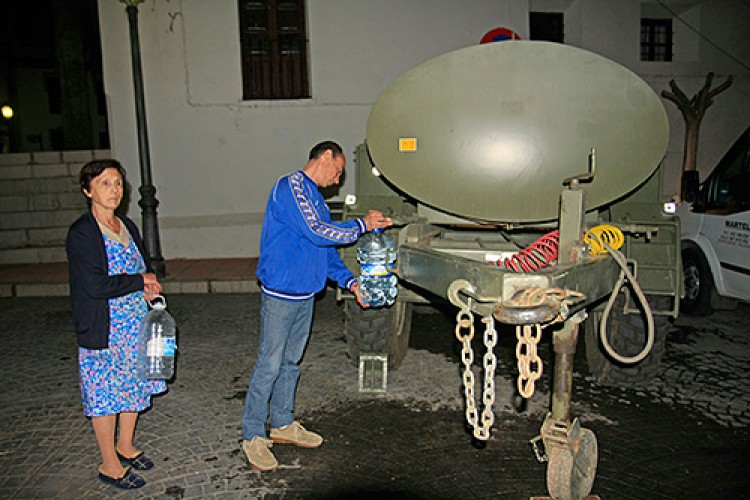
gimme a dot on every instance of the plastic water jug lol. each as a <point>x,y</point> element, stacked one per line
<point>376,253</point>
<point>157,342</point>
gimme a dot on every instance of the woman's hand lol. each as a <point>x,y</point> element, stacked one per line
<point>151,286</point>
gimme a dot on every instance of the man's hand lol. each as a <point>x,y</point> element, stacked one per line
<point>358,293</point>
<point>376,220</point>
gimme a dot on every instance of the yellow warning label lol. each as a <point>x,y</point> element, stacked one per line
<point>407,144</point>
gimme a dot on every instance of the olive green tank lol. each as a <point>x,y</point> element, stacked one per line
<point>490,132</point>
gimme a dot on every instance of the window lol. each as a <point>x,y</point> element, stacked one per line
<point>274,49</point>
<point>546,26</point>
<point>728,187</point>
<point>656,39</point>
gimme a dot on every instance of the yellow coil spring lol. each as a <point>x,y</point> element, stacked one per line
<point>598,235</point>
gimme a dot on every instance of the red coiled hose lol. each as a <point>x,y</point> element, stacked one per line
<point>539,254</point>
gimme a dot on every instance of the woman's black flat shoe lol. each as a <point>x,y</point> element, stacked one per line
<point>129,481</point>
<point>138,462</point>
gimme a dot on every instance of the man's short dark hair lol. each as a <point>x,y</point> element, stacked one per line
<point>95,168</point>
<point>324,146</point>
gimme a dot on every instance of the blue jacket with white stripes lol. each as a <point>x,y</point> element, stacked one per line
<point>298,242</point>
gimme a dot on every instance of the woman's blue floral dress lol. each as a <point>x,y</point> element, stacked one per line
<point>109,383</point>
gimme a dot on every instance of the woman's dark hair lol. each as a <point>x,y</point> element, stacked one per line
<point>324,146</point>
<point>95,168</point>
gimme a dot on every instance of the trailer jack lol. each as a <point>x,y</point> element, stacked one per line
<point>570,450</point>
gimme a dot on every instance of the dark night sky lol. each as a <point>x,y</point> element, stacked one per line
<point>29,32</point>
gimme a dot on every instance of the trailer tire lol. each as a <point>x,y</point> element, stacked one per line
<point>698,284</point>
<point>384,330</point>
<point>627,336</point>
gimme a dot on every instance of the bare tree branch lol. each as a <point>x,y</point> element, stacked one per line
<point>676,95</point>
<point>721,88</point>
<point>692,111</point>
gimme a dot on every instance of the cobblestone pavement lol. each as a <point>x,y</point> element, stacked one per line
<point>685,435</point>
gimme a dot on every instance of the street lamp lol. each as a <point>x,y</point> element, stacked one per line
<point>7,113</point>
<point>148,201</point>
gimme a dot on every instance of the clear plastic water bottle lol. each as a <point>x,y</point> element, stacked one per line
<point>157,342</point>
<point>376,253</point>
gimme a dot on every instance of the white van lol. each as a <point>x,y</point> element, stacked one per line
<point>716,234</point>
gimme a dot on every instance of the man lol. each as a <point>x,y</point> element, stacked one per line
<point>297,255</point>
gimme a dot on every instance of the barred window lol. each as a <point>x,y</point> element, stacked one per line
<point>656,39</point>
<point>273,49</point>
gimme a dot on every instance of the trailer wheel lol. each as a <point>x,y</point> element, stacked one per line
<point>571,472</point>
<point>698,284</point>
<point>627,336</point>
<point>385,330</point>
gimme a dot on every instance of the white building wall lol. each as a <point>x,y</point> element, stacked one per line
<point>214,157</point>
<point>709,36</point>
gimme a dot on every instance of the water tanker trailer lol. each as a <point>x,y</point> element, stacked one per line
<point>526,183</point>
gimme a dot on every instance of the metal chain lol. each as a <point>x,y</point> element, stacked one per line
<point>527,356</point>
<point>490,363</point>
<point>465,321</point>
<point>529,363</point>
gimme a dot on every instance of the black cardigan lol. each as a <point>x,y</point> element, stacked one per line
<point>90,284</point>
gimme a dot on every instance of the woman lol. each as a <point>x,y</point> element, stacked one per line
<point>110,281</point>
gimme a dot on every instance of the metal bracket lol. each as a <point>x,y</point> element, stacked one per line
<point>558,433</point>
<point>573,182</point>
<point>373,372</point>
<point>527,315</point>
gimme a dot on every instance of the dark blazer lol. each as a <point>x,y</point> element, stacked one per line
<point>90,284</point>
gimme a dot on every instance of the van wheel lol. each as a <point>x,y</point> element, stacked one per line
<point>384,330</point>
<point>698,284</point>
<point>627,336</point>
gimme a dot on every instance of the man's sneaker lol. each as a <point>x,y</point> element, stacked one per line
<point>295,434</point>
<point>258,453</point>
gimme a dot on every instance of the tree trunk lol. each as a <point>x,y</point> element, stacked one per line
<point>690,156</point>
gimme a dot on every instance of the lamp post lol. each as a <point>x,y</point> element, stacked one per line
<point>148,201</point>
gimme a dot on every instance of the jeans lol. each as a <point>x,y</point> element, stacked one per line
<point>284,332</point>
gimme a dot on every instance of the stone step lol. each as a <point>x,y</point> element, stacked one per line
<point>9,160</point>
<point>42,201</point>
<point>36,255</point>
<point>39,199</point>
<point>33,187</point>
<point>25,238</point>
<point>184,276</point>
<point>40,219</point>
